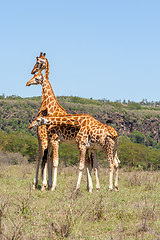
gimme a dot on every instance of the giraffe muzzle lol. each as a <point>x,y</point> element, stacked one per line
<point>33,124</point>
<point>28,84</point>
<point>34,71</point>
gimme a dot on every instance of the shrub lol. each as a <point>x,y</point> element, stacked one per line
<point>137,155</point>
<point>137,137</point>
<point>18,142</point>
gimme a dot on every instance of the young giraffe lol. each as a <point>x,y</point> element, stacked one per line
<point>51,101</point>
<point>92,135</point>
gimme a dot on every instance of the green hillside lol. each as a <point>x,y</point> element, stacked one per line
<point>136,123</point>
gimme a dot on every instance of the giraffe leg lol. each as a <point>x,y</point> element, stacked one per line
<point>108,148</point>
<point>116,180</point>
<point>39,155</point>
<point>55,178</point>
<point>116,163</point>
<point>116,160</point>
<point>90,184</point>
<point>95,166</point>
<point>44,177</point>
<point>49,165</point>
<point>82,150</point>
<point>44,169</point>
<point>79,180</point>
<point>55,148</point>
<point>111,168</point>
<point>88,163</point>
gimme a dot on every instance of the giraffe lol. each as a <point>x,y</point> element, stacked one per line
<point>42,144</point>
<point>42,149</point>
<point>92,135</point>
<point>52,107</point>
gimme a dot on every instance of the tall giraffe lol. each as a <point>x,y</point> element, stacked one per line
<point>53,108</point>
<point>92,135</point>
<point>42,151</point>
<point>42,144</point>
<point>49,106</point>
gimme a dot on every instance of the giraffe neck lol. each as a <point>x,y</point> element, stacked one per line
<point>43,109</point>
<point>52,105</point>
<point>47,70</point>
<point>71,120</point>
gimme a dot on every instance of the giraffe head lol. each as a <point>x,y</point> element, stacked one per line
<point>38,122</point>
<point>40,64</point>
<point>37,79</point>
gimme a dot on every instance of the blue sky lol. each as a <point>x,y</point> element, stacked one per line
<point>99,49</point>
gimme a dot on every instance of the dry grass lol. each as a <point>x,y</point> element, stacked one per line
<point>12,158</point>
<point>131,213</point>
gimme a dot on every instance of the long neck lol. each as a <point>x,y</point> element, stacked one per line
<point>52,105</point>
<point>47,69</point>
<point>71,120</point>
<point>43,109</point>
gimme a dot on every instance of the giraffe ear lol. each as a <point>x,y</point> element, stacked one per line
<point>37,58</point>
<point>40,54</point>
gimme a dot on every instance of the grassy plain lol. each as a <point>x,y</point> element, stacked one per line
<point>131,213</point>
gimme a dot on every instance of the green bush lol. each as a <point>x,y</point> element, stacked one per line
<point>137,137</point>
<point>19,142</point>
<point>137,155</point>
<point>150,142</point>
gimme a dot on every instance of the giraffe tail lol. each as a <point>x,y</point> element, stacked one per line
<point>91,159</point>
<point>44,160</point>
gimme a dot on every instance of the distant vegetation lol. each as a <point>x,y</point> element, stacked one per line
<point>137,125</point>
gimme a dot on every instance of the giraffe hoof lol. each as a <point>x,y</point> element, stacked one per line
<point>90,190</point>
<point>76,190</point>
<point>110,189</point>
<point>43,188</point>
<point>53,188</point>
<point>49,187</point>
<point>35,186</point>
<point>116,189</point>
<point>97,189</point>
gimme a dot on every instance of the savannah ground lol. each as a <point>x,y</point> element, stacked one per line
<point>131,213</point>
